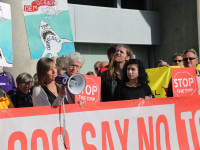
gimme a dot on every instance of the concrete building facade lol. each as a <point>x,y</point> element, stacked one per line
<point>179,27</point>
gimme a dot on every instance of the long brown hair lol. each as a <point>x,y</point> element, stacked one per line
<point>111,69</point>
<point>43,65</point>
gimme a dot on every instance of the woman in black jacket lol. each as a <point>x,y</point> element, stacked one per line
<point>135,82</point>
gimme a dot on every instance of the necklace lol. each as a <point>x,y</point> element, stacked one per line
<point>132,84</point>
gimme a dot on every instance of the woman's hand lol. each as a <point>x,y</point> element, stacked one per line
<point>63,91</point>
<point>81,103</point>
<point>147,98</point>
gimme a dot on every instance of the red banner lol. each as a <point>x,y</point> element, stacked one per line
<point>160,123</point>
<point>92,91</point>
<point>184,81</point>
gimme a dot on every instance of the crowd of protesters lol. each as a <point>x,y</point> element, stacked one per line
<point>122,78</point>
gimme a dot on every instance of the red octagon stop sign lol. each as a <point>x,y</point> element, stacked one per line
<point>92,91</point>
<point>184,82</point>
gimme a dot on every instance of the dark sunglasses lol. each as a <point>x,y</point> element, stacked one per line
<point>177,61</point>
<point>96,68</point>
<point>190,58</point>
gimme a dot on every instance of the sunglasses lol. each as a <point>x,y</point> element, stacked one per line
<point>177,61</point>
<point>190,58</point>
<point>96,68</point>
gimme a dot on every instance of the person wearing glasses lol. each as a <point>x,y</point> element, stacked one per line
<point>177,59</point>
<point>96,67</point>
<point>23,96</point>
<point>190,59</point>
<point>74,62</point>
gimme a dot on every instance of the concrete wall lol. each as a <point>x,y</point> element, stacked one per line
<point>178,27</point>
<point>91,51</point>
<point>111,25</point>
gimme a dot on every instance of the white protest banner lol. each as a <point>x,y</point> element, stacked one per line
<point>160,124</point>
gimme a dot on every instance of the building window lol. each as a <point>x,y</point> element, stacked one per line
<point>127,4</point>
<point>103,3</point>
<point>134,4</point>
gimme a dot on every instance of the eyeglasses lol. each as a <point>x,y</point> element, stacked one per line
<point>26,83</point>
<point>190,58</point>
<point>74,66</point>
<point>177,61</point>
<point>96,68</point>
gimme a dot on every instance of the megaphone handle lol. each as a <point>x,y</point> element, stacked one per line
<point>64,124</point>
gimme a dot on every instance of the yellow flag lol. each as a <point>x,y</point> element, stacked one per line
<point>159,79</point>
<point>198,67</point>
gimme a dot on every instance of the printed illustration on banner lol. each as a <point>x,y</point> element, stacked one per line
<point>52,42</point>
<point>48,28</point>
<point>6,35</point>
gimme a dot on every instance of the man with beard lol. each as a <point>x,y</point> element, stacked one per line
<point>112,77</point>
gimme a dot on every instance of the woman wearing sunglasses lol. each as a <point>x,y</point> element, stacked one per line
<point>177,59</point>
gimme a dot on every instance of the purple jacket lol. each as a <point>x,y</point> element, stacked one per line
<point>5,83</point>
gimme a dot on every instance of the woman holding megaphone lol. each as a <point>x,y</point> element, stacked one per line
<point>48,92</point>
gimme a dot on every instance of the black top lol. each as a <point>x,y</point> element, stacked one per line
<point>128,93</point>
<point>109,87</point>
<point>51,96</point>
<point>20,100</point>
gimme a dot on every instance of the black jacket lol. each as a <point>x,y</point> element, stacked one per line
<point>20,100</point>
<point>108,87</point>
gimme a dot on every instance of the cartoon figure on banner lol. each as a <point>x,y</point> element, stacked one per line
<point>49,10</point>
<point>3,61</point>
<point>6,35</point>
<point>1,11</point>
<point>48,28</point>
<point>1,14</point>
<point>52,42</point>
